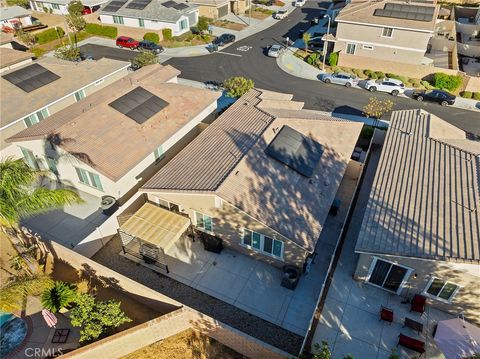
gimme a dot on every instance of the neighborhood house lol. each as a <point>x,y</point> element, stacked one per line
<point>60,7</point>
<point>32,92</point>
<point>14,17</point>
<point>107,143</point>
<point>261,179</point>
<point>155,15</point>
<point>421,229</point>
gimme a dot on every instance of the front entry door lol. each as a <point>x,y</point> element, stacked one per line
<point>388,275</point>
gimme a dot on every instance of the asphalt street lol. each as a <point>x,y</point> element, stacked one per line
<point>248,58</point>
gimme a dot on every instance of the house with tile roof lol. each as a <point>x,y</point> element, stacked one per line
<point>179,16</point>
<point>385,30</point>
<point>262,178</point>
<point>421,229</point>
<point>109,143</point>
<point>32,91</point>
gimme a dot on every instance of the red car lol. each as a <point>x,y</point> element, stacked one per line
<point>125,41</point>
<point>88,10</point>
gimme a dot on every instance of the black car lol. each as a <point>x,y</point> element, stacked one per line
<point>316,44</point>
<point>438,96</point>
<point>224,39</point>
<point>149,46</point>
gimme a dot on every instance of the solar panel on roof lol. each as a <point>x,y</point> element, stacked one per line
<point>295,150</point>
<point>31,77</point>
<point>115,5</point>
<point>169,3</point>
<point>407,12</point>
<point>180,6</point>
<point>138,4</point>
<point>139,105</point>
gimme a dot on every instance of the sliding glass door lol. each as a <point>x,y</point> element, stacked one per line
<point>387,275</point>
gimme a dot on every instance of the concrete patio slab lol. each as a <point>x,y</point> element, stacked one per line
<point>353,325</point>
<point>216,279</point>
<point>345,345</point>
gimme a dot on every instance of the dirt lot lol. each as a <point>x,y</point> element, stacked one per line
<point>187,344</point>
<point>229,25</point>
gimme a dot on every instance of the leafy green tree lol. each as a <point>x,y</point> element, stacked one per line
<point>376,108</point>
<point>144,59</point>
<point>19,198</point>
<point>96,317</point>
<point>447,82</point>
<point>22,3</point>
<point>59,296</point>
<point>238,86</point>
<point>333,59</point>
<point>15,291</point>
<point>75,8</point>
<point>323,351</point>
<point>75,22</point>
<point>203,23</point>
<point>306,39</point>
<point>67,52</point>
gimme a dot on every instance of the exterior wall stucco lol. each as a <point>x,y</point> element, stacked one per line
<point>467,276</point>
<point>228,223</point>
<point>407,46</point>
<point>40,5</point>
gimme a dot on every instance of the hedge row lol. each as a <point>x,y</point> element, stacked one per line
<point>469,94</point>
<point>152,36</point>
<point>49,35</point>
<point>102,30</point>
<point>167,34</point>
<point>447,82</point>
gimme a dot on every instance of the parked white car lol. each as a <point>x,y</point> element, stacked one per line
<point>392,86</point>
<point>299,3</point>
<point>280,14</point>
<point>274,50</point>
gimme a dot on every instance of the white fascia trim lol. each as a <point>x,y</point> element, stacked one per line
<point>377,25</point>
<point>380,45</point>
<point>64,97</point>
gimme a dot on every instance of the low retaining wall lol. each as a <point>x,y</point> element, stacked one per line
<point>415,71</point>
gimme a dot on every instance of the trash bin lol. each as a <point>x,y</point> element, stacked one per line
<point>109,205</point>
<point>291,276</point>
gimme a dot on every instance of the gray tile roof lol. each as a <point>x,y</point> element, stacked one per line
<point>153,11</point>
<point>12,12</point>
<point>228,159</point>
<point>425,197</point>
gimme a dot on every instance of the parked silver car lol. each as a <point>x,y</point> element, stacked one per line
<point>274,50</point>
<point>392,86</point>
<point>340,78</point>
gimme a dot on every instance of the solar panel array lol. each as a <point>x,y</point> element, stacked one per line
<point>295,150</point>
<point>31,77</point>
<point>139,105</point>
<point>181,6</point>
<point>138,4</point>
<point>114,5</point>
<point>169,3</point>
<point>406,12</point>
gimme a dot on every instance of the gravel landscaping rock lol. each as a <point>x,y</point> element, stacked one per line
<point>250,324</point>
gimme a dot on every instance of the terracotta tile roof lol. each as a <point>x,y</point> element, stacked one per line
<point>425,197</point>
<point>17,104</point>
<point>363,12</point>
<point>10,57</point>
<point>113,142</point>
<point>228,159</point>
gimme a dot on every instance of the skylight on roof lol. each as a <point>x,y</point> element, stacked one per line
<point>295,150</point>
<point>139,105</point>
<point>31,77</point>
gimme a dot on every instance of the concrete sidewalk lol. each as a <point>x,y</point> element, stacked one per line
<point>291,64</point>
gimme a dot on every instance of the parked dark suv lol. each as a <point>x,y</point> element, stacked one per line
<point>150,46</point>
<point>224,39</point>
<point>438,96</point>
<point>125,41</point>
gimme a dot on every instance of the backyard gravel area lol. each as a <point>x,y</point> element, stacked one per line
<point>256,327</point>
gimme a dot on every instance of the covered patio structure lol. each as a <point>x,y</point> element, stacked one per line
<point>151,231</point>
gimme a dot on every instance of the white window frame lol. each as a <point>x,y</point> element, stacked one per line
<point>156,153</point>
<point>262,244</point>
<point>200,228</point>
<point>89,178</point>
<point>367,47</point>
<point>55,7</point>
<point>34,116</point>
<point>449,300</point>
<point>81,94</point>
<point>118,20</point>
<point>391,32</point>
<point>354,48</point>
<point>169,204</point>
<point>404,281</point>
<point>141,22</point>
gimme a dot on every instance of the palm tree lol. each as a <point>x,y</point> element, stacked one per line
<point>19,198</point>
<point>14,292</point>
<point>59,296</point>
<point>306,38</point>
